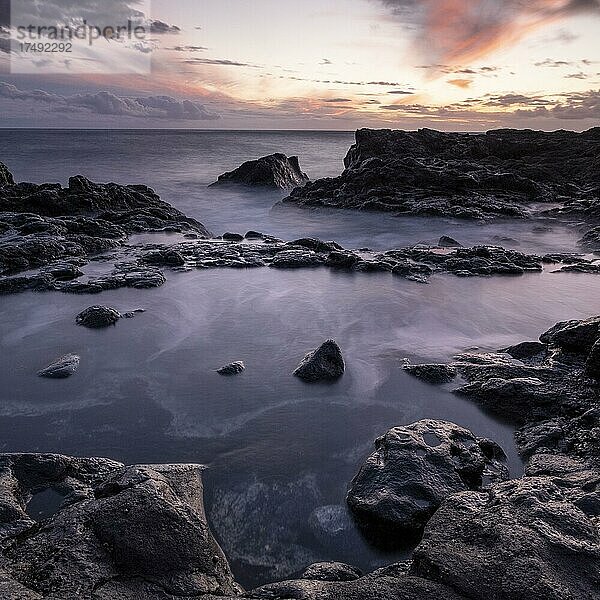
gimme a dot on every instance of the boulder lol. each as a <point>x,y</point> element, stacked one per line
<point>297,259</point>
<point>97,317</point>
<point>527,351</point>
<point>274,171</point>
<point>232,237</point>
<point>521,539</point>
<point>592,364</point>
<point>324,363</point>
<point>413,470</point>
<point>573,336</point>
<point>120,532</point>
<point>61,368</point>
<point>434,374</point>
<point>234,368</point>
<point>164,257</point>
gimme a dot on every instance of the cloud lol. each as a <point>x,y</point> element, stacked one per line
<point>462,31</point>
<point>162,28</point>
<point>188,48</point>
<point>219,61</point>
<point>337,100</point>
<point>107,103</point>
<point>553,63</point>
<point>325,61</point>
<point>461,83</point>
<point>401,92</point>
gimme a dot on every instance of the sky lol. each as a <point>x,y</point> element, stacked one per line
<point>455,65</point>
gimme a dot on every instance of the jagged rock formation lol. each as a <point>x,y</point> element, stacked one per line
<point>502,173</point>
<point>42,224</point>
<point>274,171</point>
<point>117,532</point>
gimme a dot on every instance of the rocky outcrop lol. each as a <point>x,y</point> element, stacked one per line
<point>414,469</point>
<point>97,317</point>
<point>324,363</point>
<point>274,171</point>
<point>61,368</point>
<point>6,177</point>
<point>41,224</point>
<point>117,531</point>
<point>502,173</point>
<point>234,368</point>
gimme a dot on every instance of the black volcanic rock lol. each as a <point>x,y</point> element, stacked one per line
<point>119,532</point>
<point>6,177</point>
<point>61,368</point>
<point>273,171</point>
<point>498,174</point>
<point>234,368</point>
<point>448,242</point>
<point>413,470</point>
<point>326,362</point>
<point>97,317</point>
<point>331,571</point>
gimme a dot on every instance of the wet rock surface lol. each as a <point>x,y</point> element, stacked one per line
<point>414,469</point>
<point>98,317</point>
<point>502,173</point>
<point>324,363</point>
<point>234,368</point>
<point>274,171</point>
<point>63,367</point>
<point>120,532</point>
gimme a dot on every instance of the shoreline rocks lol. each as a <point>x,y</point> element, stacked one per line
<point>234,368</point>
<point>501,173</point>
<point>276,171</point>
<point>324,363</point>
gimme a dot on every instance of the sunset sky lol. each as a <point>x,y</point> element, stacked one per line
<point>328,64</point>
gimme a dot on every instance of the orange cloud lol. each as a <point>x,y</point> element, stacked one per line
<point>461,83</point>
<point>463,31</point>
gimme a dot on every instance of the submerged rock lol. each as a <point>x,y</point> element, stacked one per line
<point>61,368</point>
<point>413,470</point>
<point>274,171</point>
<point>96,317</point>
<point>326,362</point>
<point>234,368</point>
<point>120,532</point>
<point>434,374</point>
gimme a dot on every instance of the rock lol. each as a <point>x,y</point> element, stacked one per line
<point>331,525</point>
<point>331,571</point>
<point>326,362</point>
<point>167,257</point>
<point>591,240</point>
<point>342,260</point>
<point>273,171</point>
<point>573,336</point>
<point>61,368</point>
<point>316,245</point>
<point>254,235</point>
<point>96,317</point>
<point>234,368</point>
<point>232,237</point>
<point>448,242</point>
<point>6,177</point>
<point>413,470</point>
<point>592,364</point>
<point>527,351</point>
<point>297,259</point>
<point>521,539</point>
<point>497,174</point>
<point>120,532</point>
<point>434,374</point>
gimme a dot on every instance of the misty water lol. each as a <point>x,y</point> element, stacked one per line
<point>276,449</point>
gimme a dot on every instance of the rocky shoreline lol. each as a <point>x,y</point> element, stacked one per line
<point>130,532</point>
<point>141,531</point>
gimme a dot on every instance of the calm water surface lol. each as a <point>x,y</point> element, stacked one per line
<point>276,448</point>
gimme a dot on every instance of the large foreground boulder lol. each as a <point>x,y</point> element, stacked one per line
<point>414,469</point>
<point>274,171</point>
<point>119,532</point>
<point>326,362</point>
